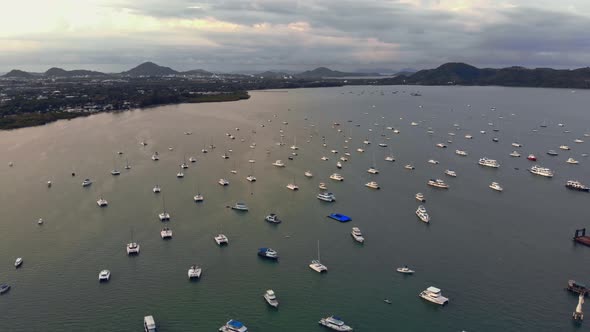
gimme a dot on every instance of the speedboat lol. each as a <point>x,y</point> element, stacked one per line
<point>4,288</point>
<point>198,198</point>
<point>334,323</point>
<point>488,162</point>
<point>18,262</point>
<point>86,182</point>
<point>531,157</point>
<point>357,235</point>
<point>571,161</point>
<point>468,136</point>
<point>433,295</point>
<point>326,197</point>
<point>542,171</point>
<point>194,272</point>
<point>240,206</point>
<point>221,239</point>
<point>183,166</point>
<point>564,147</point>
<point>268,253</point>
<point>251,178</point>
<point>278,163</point>
<point>576,185</point>
<point>405,270</point>
<point>460,152</point>
<point>515,154</point>
<point>102,202</point>
<point>166,233</point>
<point>293,186</point>
<point>390,158</point>
<point>422,214</point>
<point>104,275</point>
<point>496,186</point>
<point>132,248</point>
<point>372,185</point>
<point>438,183</point>
<point>450,173</point>
<point>409,166</point>
<point>233,326</point>
<point>337,177</point>
<point>366,142</point>
<point>495,139</point>
<point>432,161</point>
<point>223,182</point>
<point>343,158</point>
<point>308,174</point>
<point>271,298</point>
<point>233,171</point>
<point>373,170</point>
<point>164,216</point>
<point>323,186</point>
<point>383,145</point>
<point>273,219</point>
<point>578,141</point>
<point>156,189</point>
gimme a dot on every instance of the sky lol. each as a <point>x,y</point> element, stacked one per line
<point>256,35</point>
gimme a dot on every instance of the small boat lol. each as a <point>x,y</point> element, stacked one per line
<point>373,170</point>
<point>225,156</point>
<point>433,294</point>
<point>441,145</point>
<point>279,163</point>
<point>578,141</point>
<point>420,197</point>
<point>383,145</point>
<point>271,298</point>
<point>132,248</point>
<point>516,145</point>
<point>180,174</point>
<point>155,157</point>
<point>40,221</point>
<point>360,150</point>
<point>166,233</point>
<point>343,158</point>
<point>460,152</point>
<point>273,219</point>
<point>4,288</point>
<point>564,147</point>
<point>515,154</point>
<point>496,186</point>
<point>422,214</point>
<point>323,186</point>
<point>198,198</point>
<point>268,253</point>
<point>432,161</point>
<point>372,185</point>
<point>102,202</point>
<point>390,158</point>
<point>334,151</point>
<point>468,136</point>
<point>450,173</point>
<point>552,153</point>
<point>194,272</point>
<point>438,183</point>
<point>184,166</point>
<point>339,164</point>
<point>405,270</point>
<point>149,324</point>
<point>156,189</point>
<point>326,197</point>
<point>357,235</point>
<point>115,172</point>
<point>571,161</point>
<point>337,177</point>
<point>308,174</point>
<point>164,216</point>
<point>334,323</point>
<point>409,166</point>
<point>86,182</point>
<point>240,206</point>
<point>233,326</point>
<point>104,275</point>
<point>49,184</point>
<point>192,159</point>
<point>251,178</point>
<point>531,157</point>
<point>223,182</point>
<point>221,239</point>
<point>18,262</point>
<point>339,217</point>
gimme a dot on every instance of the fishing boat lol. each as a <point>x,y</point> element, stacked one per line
<point>450,173</point>
<point>531,157</point>
<point>432,161</point>
<point>308,174</point>
<point>156,189</point>
<point>155,156</point>
<point>101,202</point>
<point>4,288</point>
<point>323,186</point>
<point>460,152</point>
<point>409,166</point>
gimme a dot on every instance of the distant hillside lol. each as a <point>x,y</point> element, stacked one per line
<point>326,72</point>
<point>58,72</point>
<point>196,72</point>
<point>15,73</point>
<point>149,69</point>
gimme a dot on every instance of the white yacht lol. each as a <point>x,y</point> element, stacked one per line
<point>366,142</point>
<point>372,185</point>
<point>164,216</point>
<point>432,161</point>
<point>273,218</point>
<point>223,182</point>
<point>251,178</point>
<point>132,248</point>
<point>180,174</point>
<point>373,170</point>
<point>293,186</point>
<point>278,163</point>
<point>233,326</point>
<point>339,164</point>
<point>18,262</point>
<point>225,156</point>
<point>383,145</point>
<point>40,221</point>
<point>335,323</point>
<point>422,214</point>
<point>166,233</point>
<point>460,152</point>
<point>184,165</point>
<point>409,166</point>
<point>571,161</point>
<point>578,141</point>
<point>420,197</point>
<point>542,171</point>
<point>334,151</point>
<point>343,158</point>
<point>102,202</point>
<point>271,298</point>
<point>221,239</point>
<point>390,158</point>
<point>149,324</point>
<point>198,198</point>
<point>357,235</point>
<point>414,123</point>
<point>308,174</point>
<point>564,147</point>
<point>323,186</point>
<point>515,154</point>
<point>405,270</point>
<point>433,295</point>
<point>450,173</point>
<point>488,162</point>
<point>326,197</point>
<point>194,272</point>
<point>337,177</point>
<point>115,172</point>
<point>496,186</point>
<point>86,182</point>
<point>156,189</point>
<point>104,275</point>
<point>438,183</point>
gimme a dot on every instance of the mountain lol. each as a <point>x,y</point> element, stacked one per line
<point>15,73</point>
<point>321,72</point>
<point>149,69</point>
<point>197,72</point>
<point>58,72</point>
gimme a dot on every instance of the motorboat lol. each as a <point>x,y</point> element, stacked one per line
<point>360,150</point>
<point>450,173</point>
<point>194,272</point>
<point>334,323</point>
<point>552,153</point>
<point>156,189</point>
<point>184,165</point>
<point>438,183</point>
<point>576,185</point>
<point>422,214</point>
<point>542,171</point>
<point>339,217</point>
<point>488,162</point>
<point>233,326</point>
<point>460,152</point>
<point>343,158</point>
<point>323,186</point>
<point>104,275</point>
<point>405,270</point>
<point>115,172</point>
<point>251,178</point>
<point>357,235</point>
<point>225,156</point>
<point>273,218</point>
<point>515,154</point>
<point>390,158</point>
<point>409,166</point>
<point>223,182</point>
<point>278,163</point>
<point>373,170</point>
<point>496,186</point>
<point>221,239</point>
<point>293,186</point>
<point>564,147</point>
<point>516,145</point>
<point>468,136</point>
<point>334,151</point>
<point>316,265</point>
<point>40,221</point>
<point>198,198</point>
<point>366,142</point>
<point>271,298</point>
<point>240,206</point>
<point>268,253</point>
<point>132,248</point>
<point>324,158</point>
<point>383,145</point>
<point>18,262</point>
<point>441,145</point>
<point>155,157</point>
<point>578,141</point>
<point>372,185</point>
<point>339,164</point>
<point>337,177</point>
<point>164,216</point>
<point>571,161</point>
<point>531,157</point>
<point>326,197</point>
<point>433,294</point>
<point>4,288</point>
<point>432,161</point>
<point>102,202</point>
<point>308,174</point>
<point>495,139</point>
<point>166,233</point>
<point>86,182</point>
<point>420,197</point>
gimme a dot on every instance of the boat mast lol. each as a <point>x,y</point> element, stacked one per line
<point>319,251</point>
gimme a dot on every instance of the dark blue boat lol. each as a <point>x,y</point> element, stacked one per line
<point>339,217</point>
<point>4,288</point>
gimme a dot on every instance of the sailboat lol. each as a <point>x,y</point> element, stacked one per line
<point>132,247</point>
<point>372,169</point>
<point>234,170</point>
<point>115,171</point>
<point>184,165</point>
<point>164,216</point>
<point>251,177</point>
<point>220,238</point>
<point>127,166</point>
<point>294,146</point>
<point>293,186</point>
<point>198,197</point>
<point>316,265</point>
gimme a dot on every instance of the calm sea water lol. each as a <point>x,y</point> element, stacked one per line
<point>503,259</point>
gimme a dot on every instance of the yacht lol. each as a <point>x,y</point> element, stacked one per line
<point>194,272</point>
<point>198,198</point>
<point>273,218</point>
<point>495,139</point>
<point>155,157</point>
<point>40,221</point>
<point>432,161</point>
<point>450,173</point>
<point>516,145</point>
<point>268,253</point>
<point>441,145</point>
<point>414,123</point>
<point>149,324</point>
<point>326,197</point>
<point>293,186</point>
<point>233,326</point>
<point>542,171</point>
<point>433,295</point>
<point>86,183</point>
<point>192,159</point>
<point>372,185</point>
<point>115,172</point>
<point>360,150</point>
<point>166,233</point>
<point>515,154</point>
<point>366,142</point>
<point>576,185</point>
<point>390,158</point>
<point>240,206</point>
<point>438,183</point>
<point>223,182</point>
<point>323,186</point>
<point>164,216</point>
<point>102,202</point>
<point>409,166</point>
<point>104,275</point>
<point>132,248</point>
<point>422,214</point>
<point>383,145</point>
<point>221,239</point>
<point>271,298</point>
<point>18,262</point>
<point>578,141</point>
<point>308,174</point>
<point>531,157</point>
<point>251,178</point>
<point>496,186</point>
<point>324,158</point>
<point>420,197</point>
<point>571,161</point>
<point>339,164</point>
<point>552,153</point>
<point>405,270</point>
<point>488,162</point>
<point>357,235</point>
<point>337,177</point>
<point>316,265</point>
<point>468,136</point>
<point>278,163</point>
<point>334,323</point>
<point>373,170</point>
<point>460,152</point>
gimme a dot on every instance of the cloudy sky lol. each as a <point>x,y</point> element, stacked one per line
<point>226,35</point>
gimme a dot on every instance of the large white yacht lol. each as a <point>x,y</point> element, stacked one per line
<point>334,323</point>
<point>132,248</point>
<point>542,171</point>
<point>194,272</point>
<point>166,233</point>
<point>279,163</point>
<point>488,162</point>
<point>372,185</point>
<point>337,177</point>
<point>102,202</point>
<point>422,214</point>
<point>357,235</point>
<point>221,239</point>
<point>327,197</point>
<point>271,298</point>
<point>438,183</point>
<point>433,295</point>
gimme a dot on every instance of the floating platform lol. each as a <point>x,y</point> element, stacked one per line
<point>577,288</point>
<point>581,237</point>
<point>339,217</point>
